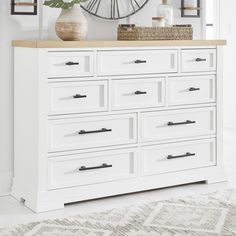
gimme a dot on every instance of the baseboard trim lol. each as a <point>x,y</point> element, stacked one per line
<point>5,183</point>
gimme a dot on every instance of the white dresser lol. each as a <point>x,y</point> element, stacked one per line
<point>95,119</point>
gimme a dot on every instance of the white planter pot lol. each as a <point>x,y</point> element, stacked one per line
<point>71,24</point>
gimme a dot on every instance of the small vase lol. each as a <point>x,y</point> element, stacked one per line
<point>71,25</point>
<point>166,10</point>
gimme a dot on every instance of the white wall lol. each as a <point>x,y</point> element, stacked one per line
<point>10,29</point>
<point>228,31</point>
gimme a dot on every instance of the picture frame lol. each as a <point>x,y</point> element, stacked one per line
<point>19,7</point>
<point>188,11</point>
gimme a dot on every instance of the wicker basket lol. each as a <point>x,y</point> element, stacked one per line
<point>155,33</point>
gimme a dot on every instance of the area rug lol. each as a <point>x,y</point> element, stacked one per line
<point>204,215</point>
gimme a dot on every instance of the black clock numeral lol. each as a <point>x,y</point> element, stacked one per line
<point>117,8</point>
<point>111,8</point>
<point>115,11</point>
<point>92,4</point>
<point>97,7</point>
<point>137,3</point>
<point>132,4</point>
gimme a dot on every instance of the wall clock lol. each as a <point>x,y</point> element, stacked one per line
<point>113,9</point>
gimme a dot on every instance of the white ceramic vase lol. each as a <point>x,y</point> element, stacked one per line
<point>71,24</point>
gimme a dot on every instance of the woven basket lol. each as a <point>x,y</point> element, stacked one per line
<point>155,33</point>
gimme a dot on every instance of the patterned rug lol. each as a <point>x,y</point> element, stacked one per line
<point>206,215</point>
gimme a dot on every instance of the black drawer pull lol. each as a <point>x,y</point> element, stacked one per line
<point>188,154</point>
<point>187,122</point>
<point>103,130</point>
<point>79,96</point>
<point>200,59</point>
<point>103,166</point>
<point>71,63</point>
<point>140,61</point>
<point>193,89</point>
<point>140,92</point>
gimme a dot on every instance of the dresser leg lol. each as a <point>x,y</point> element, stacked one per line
<point>30,200</point>
<point>218,177</point>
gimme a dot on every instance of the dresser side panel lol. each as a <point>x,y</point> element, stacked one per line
<point>26,129</point>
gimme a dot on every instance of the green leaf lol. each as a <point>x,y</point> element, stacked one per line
<point>53,3</point>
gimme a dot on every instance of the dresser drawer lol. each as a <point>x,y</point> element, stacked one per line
<point>184,123</point>
<point>137,93</point>
<point>78,133</point>
<point>191,90</point>
<point>77,97</point>
<point>198,60</point>
<point>84,169</point>
<point>70,64</point>
<point>137,62</point>
<point>178,156</point>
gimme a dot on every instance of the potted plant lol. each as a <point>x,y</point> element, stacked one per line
<point>71,25</point>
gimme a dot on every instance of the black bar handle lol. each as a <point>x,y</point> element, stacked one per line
<point>139,92</point>
<point>188,154</point>
<point>194,89</point>
<point>140,61</point>
<point>71,63</point>
<point>103,130</point>
<point>103,166</point>
<point>79,96</point>
<point>200,59</point>
<point>187,122</point>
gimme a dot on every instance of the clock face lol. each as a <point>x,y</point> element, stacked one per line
<point>113,9</point>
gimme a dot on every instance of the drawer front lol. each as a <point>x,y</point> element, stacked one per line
<point>77,97</point>
<point>137,62</point>
<point>179,156</point>
<point>137,93</point>
<point>70,64</point>
<point>84,169</point>
<point>184,123</point>
<point>78,133</point>
<point>191,90</point>
<point>198,60</point>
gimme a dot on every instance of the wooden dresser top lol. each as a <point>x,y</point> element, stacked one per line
<point>98,44</point>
